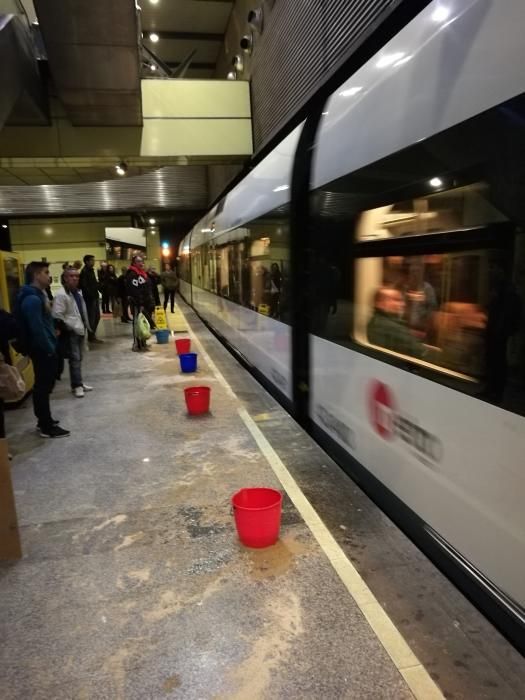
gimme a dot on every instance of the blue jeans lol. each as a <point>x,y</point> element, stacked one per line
<point>75,360</point>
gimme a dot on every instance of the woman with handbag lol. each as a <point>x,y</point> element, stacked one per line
<point>69,310</point>
<point>141,302</point>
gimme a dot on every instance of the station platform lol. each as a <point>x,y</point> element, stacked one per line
<point>133,582</point>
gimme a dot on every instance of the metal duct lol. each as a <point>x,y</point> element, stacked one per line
<point>181,187</point>
<point>23,100</point>
<point>94,58</point>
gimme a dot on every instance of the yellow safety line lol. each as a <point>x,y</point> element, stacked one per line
<point>414,673</point>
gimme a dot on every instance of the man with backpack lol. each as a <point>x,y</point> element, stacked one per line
<point>38,340</point>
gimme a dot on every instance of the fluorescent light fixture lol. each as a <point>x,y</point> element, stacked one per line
<point>206,230</point>
<point>350,92</point>
<point>154,37</point>
<point>441,13</point>
<point>436,182</point>
<point>388,59</point>
<point>325,114</point>
<point>281,188</point>
<point>152,221</point>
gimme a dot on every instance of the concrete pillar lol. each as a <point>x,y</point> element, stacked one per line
<point>153,247</point>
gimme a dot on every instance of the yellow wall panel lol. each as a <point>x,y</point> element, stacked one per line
<point>196,137</point>
<point>196,98</point>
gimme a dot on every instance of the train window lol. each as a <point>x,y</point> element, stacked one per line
<point>420,257</point>
<point>451,210</point>
<point>249,265</point>
<point>433,308</point>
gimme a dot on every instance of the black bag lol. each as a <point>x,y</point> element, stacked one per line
<point>64,343</point>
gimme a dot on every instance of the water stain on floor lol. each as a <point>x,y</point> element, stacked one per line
<point>277,559</point>
<point>171,683</point>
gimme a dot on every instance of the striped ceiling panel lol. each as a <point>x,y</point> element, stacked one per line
<point>173,187</point>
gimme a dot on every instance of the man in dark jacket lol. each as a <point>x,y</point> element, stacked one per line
<point>123,295</point>
<point>387,329</point>
<point>33,313</point>
<point>89,287</point>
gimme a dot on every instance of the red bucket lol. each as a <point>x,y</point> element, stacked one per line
<point>183,345</point>
<point>257,516</point>
<point>197,399</point>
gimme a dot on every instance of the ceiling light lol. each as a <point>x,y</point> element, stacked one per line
<point>121,168</point>
<point>152,221</point>
<point>441,13</point>
<point>389,59</point>
<point>232,75</point>
<point>350,92</point>
<point>154,37</point>
<point>152,66</point>
<point>4,225</point>
<point>436,182</point>
<point>165,245</point>
<point>281,188</point>
<point>325,114</point>
<point>238,63</point>
<point>48,230</point>
<point>154,2</point>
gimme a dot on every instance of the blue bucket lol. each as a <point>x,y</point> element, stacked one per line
<point>188,362</point>
<point>163,337</point>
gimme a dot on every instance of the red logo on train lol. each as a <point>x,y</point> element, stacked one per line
<point>382,408</point>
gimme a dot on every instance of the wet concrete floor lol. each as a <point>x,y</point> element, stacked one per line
<point>133,582</point>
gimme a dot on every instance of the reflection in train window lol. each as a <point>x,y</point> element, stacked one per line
<point>452,210</point>
<point>249,265</point>
<point>455,311</point>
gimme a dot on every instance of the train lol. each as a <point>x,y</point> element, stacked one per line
<point>370,271</point>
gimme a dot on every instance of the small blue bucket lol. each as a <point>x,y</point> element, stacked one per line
<point>163,337</point>
<point>188,362</point>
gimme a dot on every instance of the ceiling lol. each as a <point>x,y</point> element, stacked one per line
<point>62,175</point>
<point>181,187</point>
<point>184,26</point>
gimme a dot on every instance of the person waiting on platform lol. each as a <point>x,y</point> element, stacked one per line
<point>155,281</point>
<point>387,329</point>
<point>170,284</point>
<point>70,310</point>
<point>33,314</point>
<point>89,287</point>
<point>123,296</point>
<point>140,297</point>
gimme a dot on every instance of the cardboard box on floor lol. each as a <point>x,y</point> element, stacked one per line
<point>10,547</point>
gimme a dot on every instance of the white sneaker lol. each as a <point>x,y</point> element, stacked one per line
<point>86,387</point>
<point>79,392</point>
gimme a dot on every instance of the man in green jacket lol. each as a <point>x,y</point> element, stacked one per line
<point>387,329</point>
